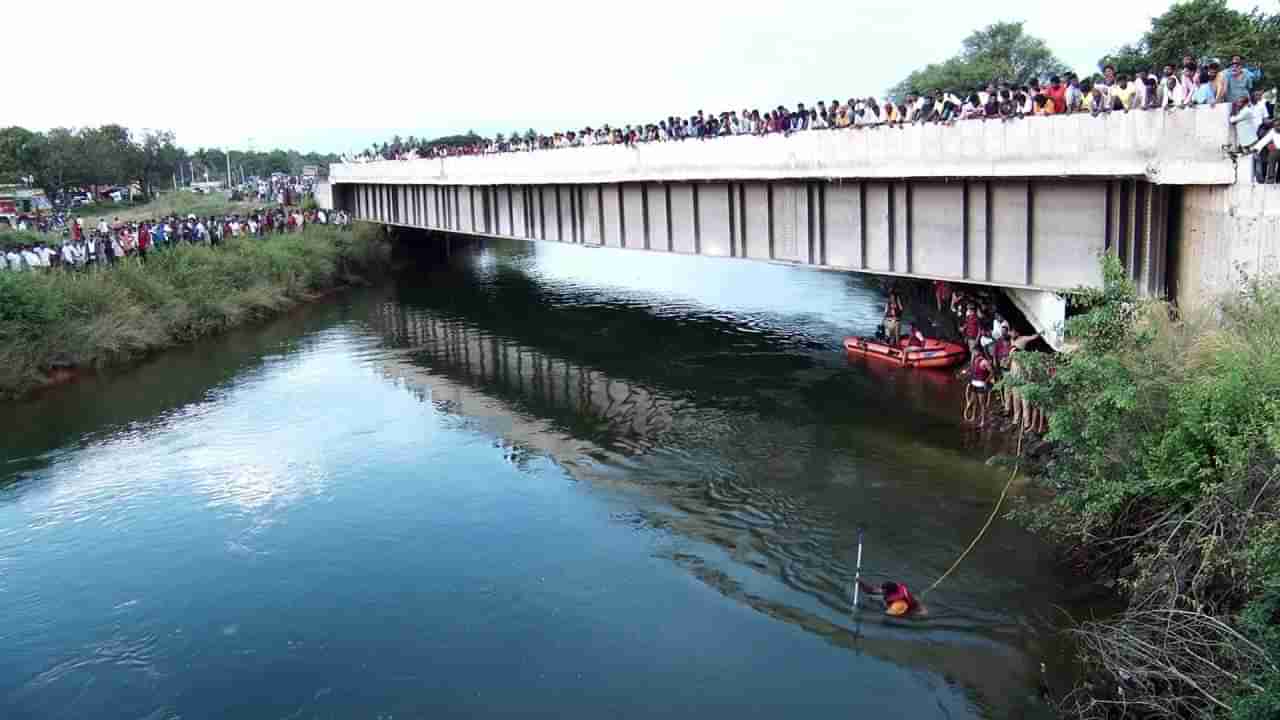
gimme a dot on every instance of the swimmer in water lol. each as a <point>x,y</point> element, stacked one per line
<point>898,600</point>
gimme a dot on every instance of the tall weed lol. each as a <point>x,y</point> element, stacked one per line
<point>104,316</point>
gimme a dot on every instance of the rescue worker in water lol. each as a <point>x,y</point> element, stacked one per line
<point>898,600</point>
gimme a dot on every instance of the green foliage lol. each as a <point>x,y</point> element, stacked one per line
<point>1203,29</point>
<point>101,317</point>
<point>996,53</point>
<point>1167,467</point>
<point>112,155</point>
<point>178,204</point>
<point>21,153</point>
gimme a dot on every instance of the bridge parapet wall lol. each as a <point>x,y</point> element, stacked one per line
<point>1179,147</point>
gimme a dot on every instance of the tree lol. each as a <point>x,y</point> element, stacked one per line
<point>21,152</point>
<point>1002,52</point>
<point>63,162</point>
<point>157,159</point>
<point>1206,30</point>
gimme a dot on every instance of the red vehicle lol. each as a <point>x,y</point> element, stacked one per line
<point>8,212</point>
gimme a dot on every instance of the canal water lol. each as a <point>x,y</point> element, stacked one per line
<point>520,480</point>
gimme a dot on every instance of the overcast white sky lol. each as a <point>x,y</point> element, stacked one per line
<point>335,75</point>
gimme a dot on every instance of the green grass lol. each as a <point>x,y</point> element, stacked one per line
<point>109,316</point>
<point>15,238</point>
<point>167,204</point>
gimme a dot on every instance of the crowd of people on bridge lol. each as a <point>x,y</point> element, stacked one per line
<point>78,247</point>
<point>1170,87</point>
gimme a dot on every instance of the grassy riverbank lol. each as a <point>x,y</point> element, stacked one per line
<point>1167,472</point>
<point>51,322</point>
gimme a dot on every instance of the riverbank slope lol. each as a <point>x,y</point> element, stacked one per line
<point>53,324</point>
<point>1166,466</point>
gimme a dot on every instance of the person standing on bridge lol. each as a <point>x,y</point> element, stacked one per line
<point>893,317</point>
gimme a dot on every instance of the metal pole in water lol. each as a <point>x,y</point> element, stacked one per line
<point>857,575</point>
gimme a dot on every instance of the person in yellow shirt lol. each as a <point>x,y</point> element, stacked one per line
<point>1123,93</point>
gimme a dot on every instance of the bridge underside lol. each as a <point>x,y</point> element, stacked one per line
<point>1022,234</point>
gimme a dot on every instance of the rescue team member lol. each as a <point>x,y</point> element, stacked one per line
<point>898,600</point>
<point>916,339</point>
<point>892,315</point>
<point>977,395</point>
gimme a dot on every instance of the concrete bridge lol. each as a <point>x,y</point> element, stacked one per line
<point>1026,205</point>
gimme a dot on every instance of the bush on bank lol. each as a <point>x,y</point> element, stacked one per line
<point>92,319</point>
<point>1167,436</point>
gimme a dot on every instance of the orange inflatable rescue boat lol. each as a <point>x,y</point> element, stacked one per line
<point>932,354</point>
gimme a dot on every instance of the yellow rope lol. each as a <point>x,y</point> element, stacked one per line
<point>991,518</point>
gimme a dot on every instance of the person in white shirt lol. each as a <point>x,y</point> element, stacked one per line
<point>102,226</point>
<point>68,256</point>
<point>1172,93</point>
<point>30,260</point>
<point>999,327</point>
<point>1027,107</point>
<point>13,259</point>
<point>1267,164</point>
<point>1249,118</point>
<point>1139,90</point>
<point>1105,84</point>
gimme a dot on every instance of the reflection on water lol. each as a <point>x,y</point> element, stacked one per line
<point>532,479</point>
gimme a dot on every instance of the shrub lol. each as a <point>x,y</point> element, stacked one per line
<point>1167,437</point>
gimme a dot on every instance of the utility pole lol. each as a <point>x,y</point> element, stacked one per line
<point>228,169</point>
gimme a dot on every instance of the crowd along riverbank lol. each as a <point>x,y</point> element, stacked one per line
<point>55,324</point>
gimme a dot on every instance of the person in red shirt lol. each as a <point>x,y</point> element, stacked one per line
<point>977,396</point>
<point>972,329</point>
<point>1057,92</point>
<point>942,293</point>
<point>898,600</point>
<point>144,240</point>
